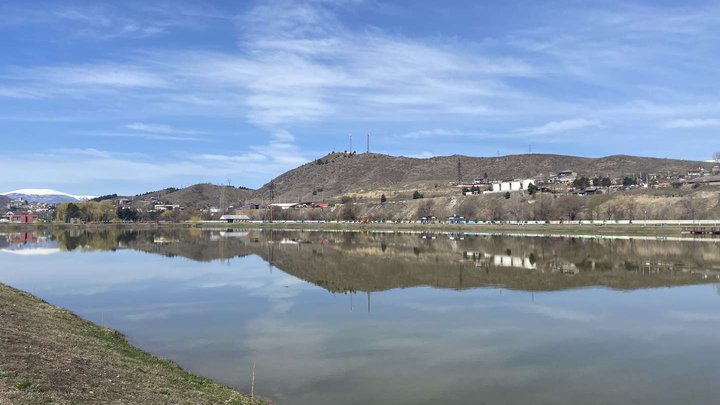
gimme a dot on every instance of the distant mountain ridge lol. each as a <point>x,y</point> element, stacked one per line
<point>42,195</point>
<point>338,174</point>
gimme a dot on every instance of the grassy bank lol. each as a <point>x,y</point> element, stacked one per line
<point>49,355</point>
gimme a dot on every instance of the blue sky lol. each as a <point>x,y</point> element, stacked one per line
<point>102,97</point>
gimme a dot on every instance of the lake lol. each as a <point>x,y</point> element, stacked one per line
<point>398,318</point>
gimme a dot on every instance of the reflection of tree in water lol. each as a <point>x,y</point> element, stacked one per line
<point>341,261</point>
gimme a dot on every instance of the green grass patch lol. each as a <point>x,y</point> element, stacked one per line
<point>28,386</point>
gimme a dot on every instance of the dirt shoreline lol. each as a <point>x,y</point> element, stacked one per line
<point>49,355</point>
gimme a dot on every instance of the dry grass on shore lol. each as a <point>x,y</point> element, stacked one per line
<point>50,356</point>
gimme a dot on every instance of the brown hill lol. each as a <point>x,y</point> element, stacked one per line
<point>339,174</point>
<point>201,195</point>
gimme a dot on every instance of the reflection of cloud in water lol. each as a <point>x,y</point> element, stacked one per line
<point>160,311</point>
<point>694,316</point>
<point>279,289</point>
<point>553,312</point>
<point>32,251</point>
<point>563,314</point>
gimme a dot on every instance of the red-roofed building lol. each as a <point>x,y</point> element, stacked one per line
<point>695,172</point>
<point>22,218</point>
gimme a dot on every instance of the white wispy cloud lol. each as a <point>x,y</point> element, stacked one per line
<point>692,123</point>
<point>143,135</point>
<point>299,64</point>
<point>561,126</point>
<point>100,75</point>
<point>105,22</point>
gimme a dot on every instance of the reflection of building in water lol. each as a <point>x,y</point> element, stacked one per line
<point>482,259</point>
<point>27,243</point>
<point>21,237</point>
<point>162,240</point>
<point>563,268</point>
<point>513,261</point>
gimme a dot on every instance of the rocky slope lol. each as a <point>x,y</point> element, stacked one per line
<point>338,174</point>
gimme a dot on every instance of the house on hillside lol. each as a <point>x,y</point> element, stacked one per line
<point>167,207</point>
<point>564,176</point>
<point>231,219</point>
<point>696,172</point>
<point>285,206</point>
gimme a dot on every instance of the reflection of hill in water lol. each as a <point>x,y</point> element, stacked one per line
<point>342,262</point>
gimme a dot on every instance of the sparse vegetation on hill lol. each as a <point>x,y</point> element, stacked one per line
<point>370,174</point>
<point>687,203</point>
<point>375,186</point>
<point>201,195</point>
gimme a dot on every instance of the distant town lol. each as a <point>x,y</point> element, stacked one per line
<point>563,195</point>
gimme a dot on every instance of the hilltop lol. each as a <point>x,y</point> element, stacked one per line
<point>367,174</point>
<point>199,195</point>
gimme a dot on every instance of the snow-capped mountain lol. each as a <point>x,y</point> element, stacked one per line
<point>45,196</point>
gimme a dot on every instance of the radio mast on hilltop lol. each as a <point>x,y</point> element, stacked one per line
<point>368,143</point>
<point>350,150</point>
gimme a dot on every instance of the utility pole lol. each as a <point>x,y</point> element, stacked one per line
<point>350,150</point>
<point>222,199</point>
<point>272,196</point>
<point>368,143</point>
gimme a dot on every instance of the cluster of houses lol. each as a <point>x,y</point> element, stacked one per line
<point>701,176</point>
<point>564,182</point>
<point>24,212</point>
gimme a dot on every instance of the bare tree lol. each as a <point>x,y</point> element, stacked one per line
<point>467,209</point>
<point>571,206</point>
<point>348,213</point>
<point>716,156</point>
<point>517,208</point>
<point>612,211</point>
<point>544,208</point>
<point>425,209</point>
<point>496,210</point>
<point>630,209</point>
<point>691,207</point>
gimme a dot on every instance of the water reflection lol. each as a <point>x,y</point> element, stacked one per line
<point>398,318</point>
<point>342,261</point>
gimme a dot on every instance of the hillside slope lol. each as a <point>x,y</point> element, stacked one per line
<point>202,195</point>
<point>338,174</point>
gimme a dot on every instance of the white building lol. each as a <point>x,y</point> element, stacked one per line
<point>234,218</point>
<point>508,186</point>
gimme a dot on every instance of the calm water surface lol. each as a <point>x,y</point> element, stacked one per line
<point>354,318</point>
